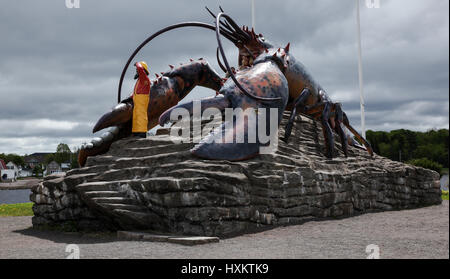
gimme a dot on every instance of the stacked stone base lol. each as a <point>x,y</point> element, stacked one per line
<point>57,204</point>
<point>153,184</point>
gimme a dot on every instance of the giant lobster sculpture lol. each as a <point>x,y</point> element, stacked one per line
<point>267,77</point>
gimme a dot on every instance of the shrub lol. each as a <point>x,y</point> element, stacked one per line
<point>445,195</point>
<point>426,163</point>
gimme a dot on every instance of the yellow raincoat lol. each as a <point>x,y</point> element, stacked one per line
<point>141,98</point>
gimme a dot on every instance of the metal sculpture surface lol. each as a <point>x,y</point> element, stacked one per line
<point>268,77</point>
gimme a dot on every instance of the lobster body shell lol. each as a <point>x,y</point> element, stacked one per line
<point>298,79</point>
<point>264,80</point>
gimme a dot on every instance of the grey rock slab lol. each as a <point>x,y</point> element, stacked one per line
<point>194,240</point>
<point>142,236</point>
<point>154,184</point>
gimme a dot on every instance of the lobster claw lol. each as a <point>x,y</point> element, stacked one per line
<point>118,115</point>
<point>231,141</point>
<point>213,148</point>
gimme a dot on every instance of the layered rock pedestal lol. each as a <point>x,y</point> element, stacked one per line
<point>154,184</point>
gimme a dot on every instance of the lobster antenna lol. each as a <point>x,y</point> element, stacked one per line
<point>226,28</point>
<point>156,34</point>
<point>220,63</point>
<point>211,13</point>
<point>233,77</point>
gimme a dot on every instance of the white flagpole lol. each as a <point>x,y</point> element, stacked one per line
<point>358,27</point>
<point>253,14</point>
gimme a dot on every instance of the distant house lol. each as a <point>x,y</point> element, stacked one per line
<point>8,172</point>
<point>35,159</point>
<point>65,166</point>
<point>12,166</point>
<point>25,172</point>
<point>53,167</point>
<point>2,165</point>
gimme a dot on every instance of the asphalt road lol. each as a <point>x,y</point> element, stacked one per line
<point>418,233</point>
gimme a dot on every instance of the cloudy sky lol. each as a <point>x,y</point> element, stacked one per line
<point>59,67</point>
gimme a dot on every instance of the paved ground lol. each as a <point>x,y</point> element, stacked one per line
<point>419,233</point>
<point>20,184</point>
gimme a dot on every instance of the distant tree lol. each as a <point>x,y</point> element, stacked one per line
<point>63,153</point>
<point>74,162</point>
<point>16,159</point>
<point>63,148</point>
<point>432,145</point>
<point>37,171</point>
<point>49,158</point>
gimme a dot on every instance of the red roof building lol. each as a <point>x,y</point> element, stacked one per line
<point>2,165</point>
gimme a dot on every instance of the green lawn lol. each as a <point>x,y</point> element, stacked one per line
<point>19,209</point>
<point>445,195</point>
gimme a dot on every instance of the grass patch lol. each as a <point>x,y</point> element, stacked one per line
<point>445,195</point>
<point>18,209</point>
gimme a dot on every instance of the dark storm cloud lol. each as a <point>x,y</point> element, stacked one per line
<point>63,65</point>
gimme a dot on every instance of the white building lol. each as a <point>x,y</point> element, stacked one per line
<point>25,172</point>
<point>65,166</point>
<point>52,167</point>
<point>12,166</point>
<point>10,173</point>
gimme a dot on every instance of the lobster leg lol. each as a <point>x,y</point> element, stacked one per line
<point>299,102</point>
<point>327,132</point>
<point>357,135</point>
<point>338,128</point>
<point>324,112</point>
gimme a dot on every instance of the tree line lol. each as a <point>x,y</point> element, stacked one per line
<point>425,149</point>
<point>63,154</point>
<point>16,159</point>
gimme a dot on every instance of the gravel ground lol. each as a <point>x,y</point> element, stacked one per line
<point>418,233</point>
